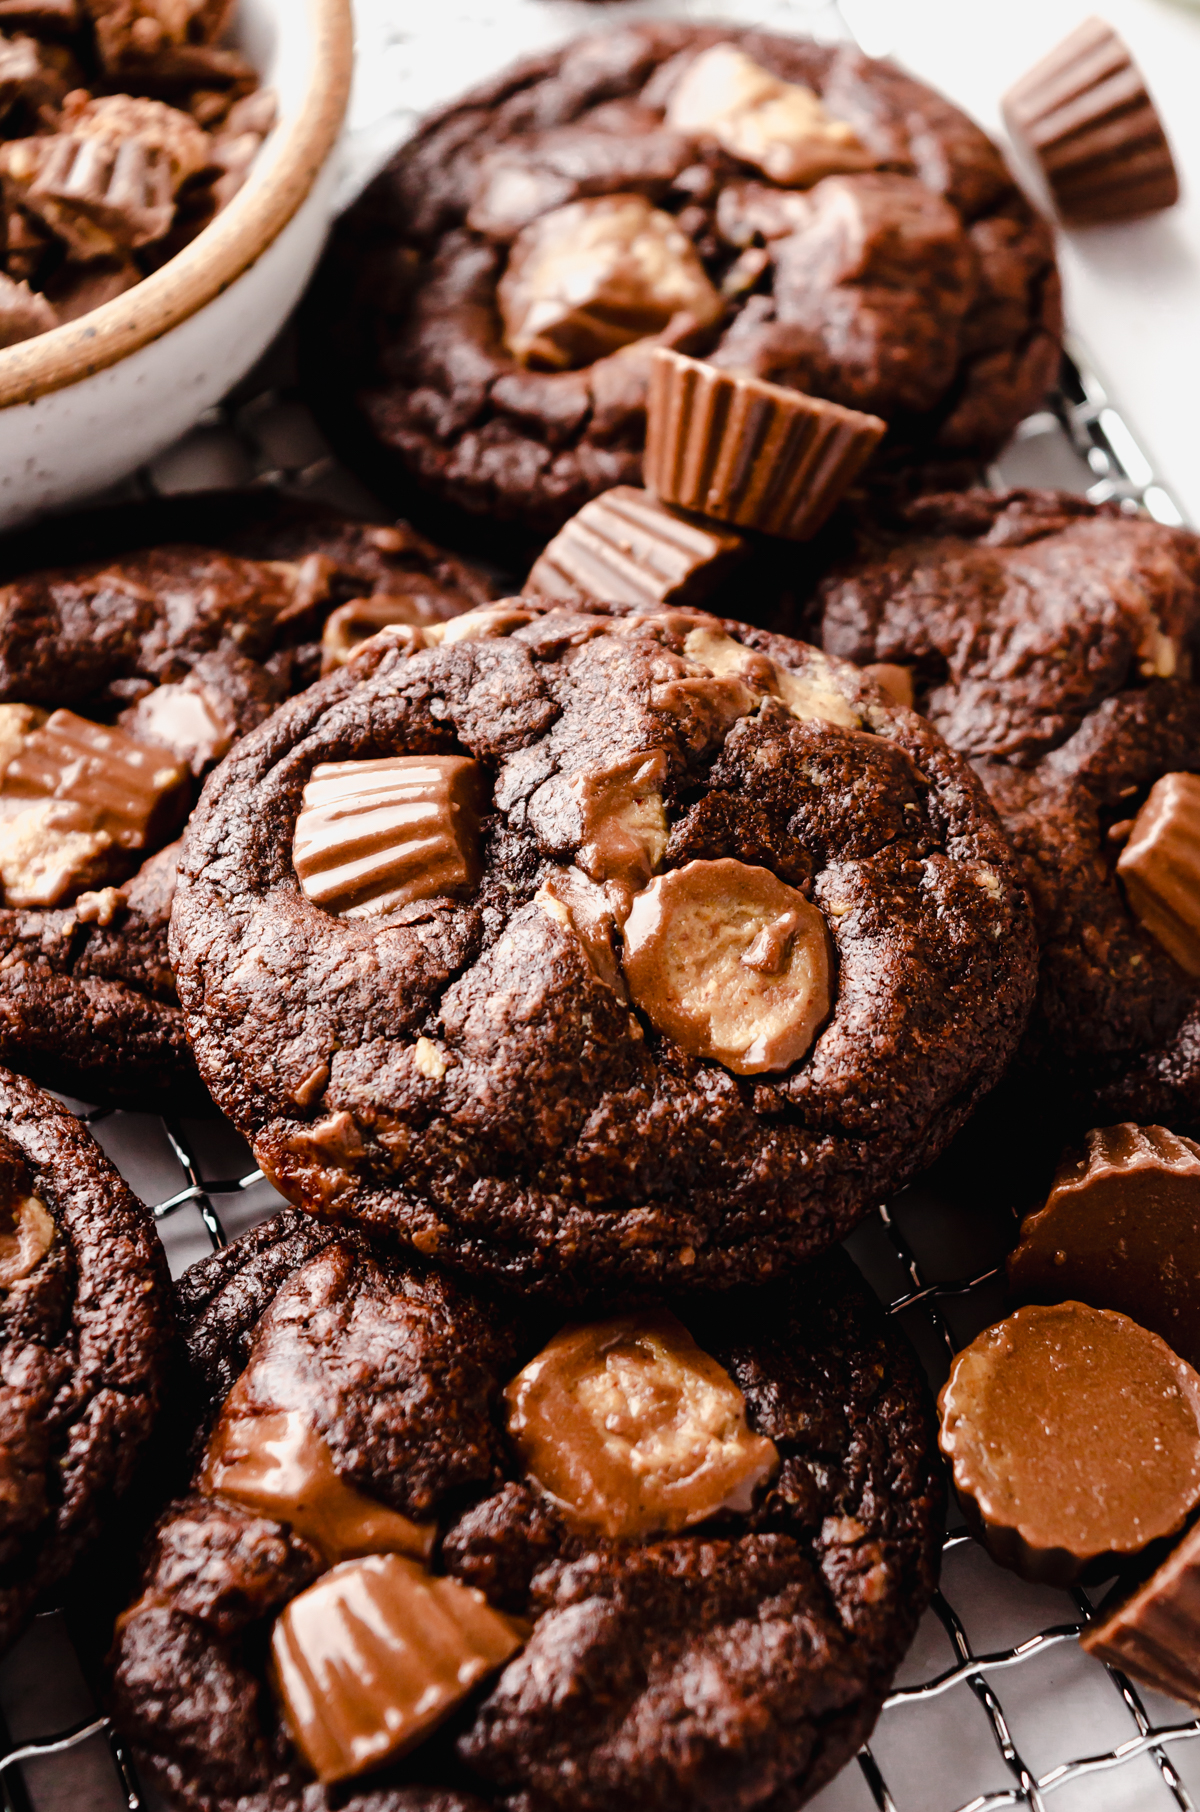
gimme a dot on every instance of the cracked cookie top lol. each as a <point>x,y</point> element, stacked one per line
<point>1053,642</point>
<point>86,1326</point>
<point>485,317</point>
<point>549,1535</point>
<point>575,942</point>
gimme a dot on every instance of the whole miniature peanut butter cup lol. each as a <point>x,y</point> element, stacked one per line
<point>626,547</point>
<point>1160,867</point>
<point>1084,114</point>
<point>1074,1439</point>
<point>748,452</point>
<point>1120,1229</point>
<point>1153,1632</point>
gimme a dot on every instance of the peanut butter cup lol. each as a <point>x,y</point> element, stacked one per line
<point>748,452</point>
<point>741,1489</point>
<point>1084,114</point>
<point>1120,1229</point>
<point>1073,1436</point>
<point>626,547</point>
<point>626,1005</point>
<point>1153,1631</point>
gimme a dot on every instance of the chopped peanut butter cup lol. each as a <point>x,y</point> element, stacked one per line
<point>1153,1632</point>
<point>626,547</point>
<point>781,127</point>
<point>375,1655</point>
<point>1160,866</point>
<point>373,835</point>
<point>79,803</point>
<point>748,452</point>
<point>1084,114</point>
<point>731,963</point>
<point>1074,1439</point>
<point>1121,1230</point>
<point>585,280</point>
<point>273,1461</point>
<point>634,1429</point>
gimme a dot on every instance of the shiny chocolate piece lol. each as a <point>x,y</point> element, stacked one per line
<point>1074,1438</point>
<point>810,695</point>
<point>1084,115</point>
<point>1153,1632</point>
<point>373,835</point>
<point>781,127</point>
<point>1160,866</point>
<point>375,1655</point>
<point>486,623</point>
<point>1120,1229</point>
<point>624,823</point>
<point>584,910</point>
<point>276,1463</point>
<point>26,1235</point>
<point>635,1430</point>
<point>625,547</point>
<point>350,625</point>
<point>77,802</point>
<point>589,278</point>
<point>731,963</point>
<point>748,452</point>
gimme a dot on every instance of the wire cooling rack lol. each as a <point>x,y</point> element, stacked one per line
<point>996,1705</point>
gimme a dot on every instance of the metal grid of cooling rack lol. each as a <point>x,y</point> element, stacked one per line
<point>896,1248</point>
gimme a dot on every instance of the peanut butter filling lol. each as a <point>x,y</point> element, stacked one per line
<point>586,279</point>
<point>26,1235</point>
<point>374,835</point>
<point>375,1655</point>
<point>780,127</point>
<point>731,963</point>
<point>634,1429</point>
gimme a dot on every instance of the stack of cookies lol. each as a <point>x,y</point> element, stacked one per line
<point>583,959</point>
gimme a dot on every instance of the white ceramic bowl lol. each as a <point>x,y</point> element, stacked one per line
<point>83,405</point>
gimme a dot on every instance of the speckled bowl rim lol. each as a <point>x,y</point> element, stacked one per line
<point>216,257</point>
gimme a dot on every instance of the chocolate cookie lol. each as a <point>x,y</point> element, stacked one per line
<point>589,944</point>
<point>85,1334</point>
<point>135,646</point>
<point>1052,642</point>
<point>484,317</point>
<point>636,1561</point>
